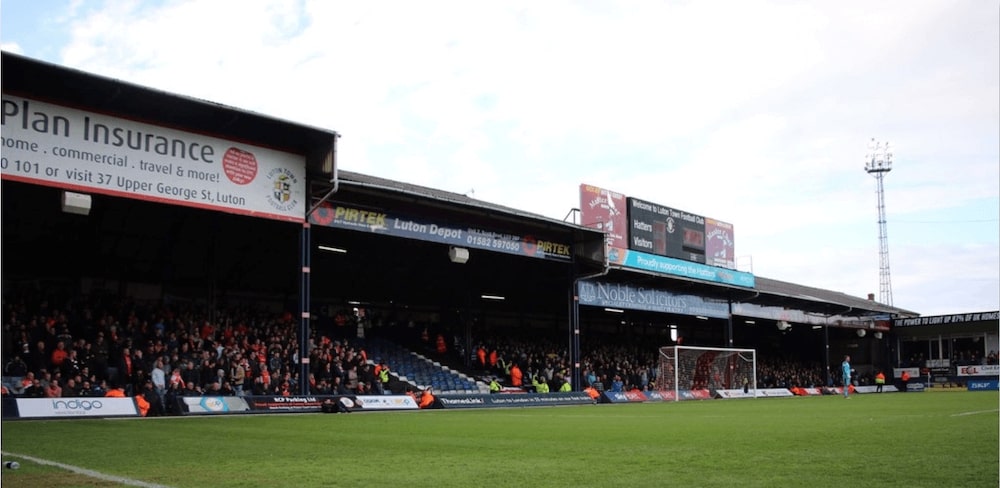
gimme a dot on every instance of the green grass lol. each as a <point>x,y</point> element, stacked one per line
<point>930,439</point>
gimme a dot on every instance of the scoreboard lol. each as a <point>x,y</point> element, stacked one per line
<point>666,231</point>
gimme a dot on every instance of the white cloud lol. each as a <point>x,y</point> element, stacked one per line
<point>12,47</point>
<point>755,113</point>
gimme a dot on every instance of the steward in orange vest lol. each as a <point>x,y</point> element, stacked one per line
<point>427,398</point>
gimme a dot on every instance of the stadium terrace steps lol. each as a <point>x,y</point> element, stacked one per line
<point>420,371</point>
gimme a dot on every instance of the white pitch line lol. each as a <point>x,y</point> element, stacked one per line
<point>974,413</point>
<point>87,472</point>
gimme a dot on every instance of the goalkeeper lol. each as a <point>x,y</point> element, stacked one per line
<point>846,367</point>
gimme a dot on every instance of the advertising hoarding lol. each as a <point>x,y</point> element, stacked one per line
<point>345,216</point>
<point>91,152</point>
<point>605,210</point>
<point>719,244</point>
<point>76,407</point>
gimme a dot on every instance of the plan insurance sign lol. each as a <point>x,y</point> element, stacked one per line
<point>89,152</point>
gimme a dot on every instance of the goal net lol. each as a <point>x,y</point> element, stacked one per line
<point>715,369</point>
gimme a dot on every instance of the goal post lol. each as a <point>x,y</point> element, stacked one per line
<point>694,369</point>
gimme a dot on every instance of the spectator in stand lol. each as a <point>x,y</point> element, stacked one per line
<point>617,385</point>
<point>481,357</point>
<point>213,389</point>
<point>516,376</point>
<point>238,374</point>
<point>441,346</point>
<point>366,375</point>
<point>189,374</point>
<point>34,390</point>
<point>220,377</point>
<point>262,383</point>
<point>148,393</point>
<point>27,381</point>
<point>175,379</point>
<point>39,358</point>
<point>45,378</point>
<point>338,387</point>
<point>159,379</point>
<point>171,399</point>
<point>322,387</point>
<point>124,367</point>
<point>86,389</point>
<point>352,377</point>
<point>102,354</point>
<point>191,390</point>
<point>72,388</point>
<point>53,390</point>
<point>16,368</point>
<point>72,365</point>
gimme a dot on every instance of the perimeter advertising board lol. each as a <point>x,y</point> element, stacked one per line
<point>90,152</point>
<point>76,407</point>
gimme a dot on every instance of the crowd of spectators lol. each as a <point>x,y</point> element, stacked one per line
<point>614,366</point>
<point>960,357</point>
<point>90,345</point>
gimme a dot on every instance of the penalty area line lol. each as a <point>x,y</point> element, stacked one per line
<point>977,412</point>
<point>86,472</point>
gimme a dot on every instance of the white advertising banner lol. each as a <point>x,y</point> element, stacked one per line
<point>92,152</point>
<point>216,404</point>
<point>979,370</point>
<point>385,402</point>
<point>76,407</point>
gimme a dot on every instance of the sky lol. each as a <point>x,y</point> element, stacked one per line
<point>753,112</point>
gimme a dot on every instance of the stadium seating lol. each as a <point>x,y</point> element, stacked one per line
<point>420,371</point>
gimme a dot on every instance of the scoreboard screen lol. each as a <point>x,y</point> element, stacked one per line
<point>666,231</point>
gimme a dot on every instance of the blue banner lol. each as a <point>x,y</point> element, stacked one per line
<point>629,297</point>
<point>677,267</point>
<point>983,385</point>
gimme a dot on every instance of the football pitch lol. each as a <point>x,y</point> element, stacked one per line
<point>932,439</point>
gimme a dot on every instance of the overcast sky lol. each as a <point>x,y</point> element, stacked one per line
<point>756,113</point>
